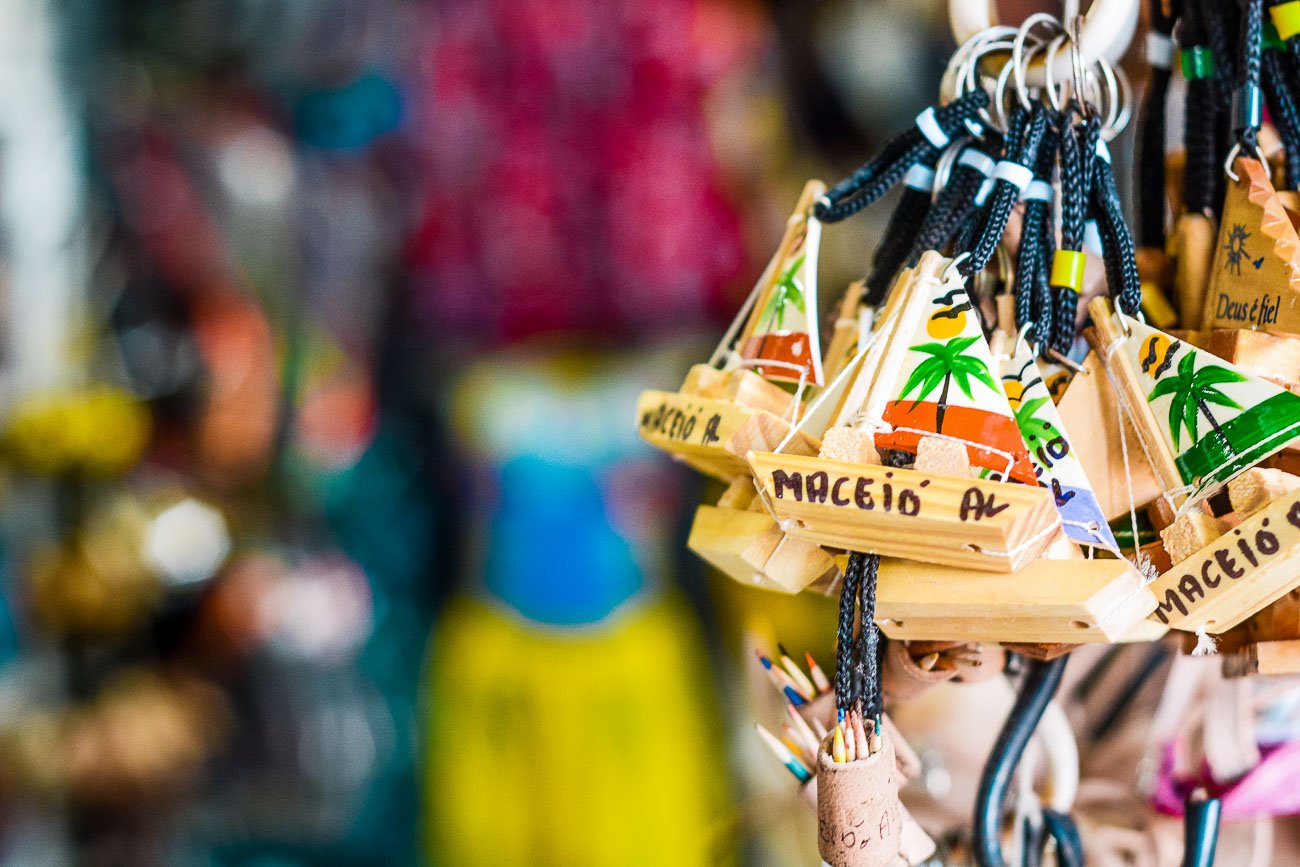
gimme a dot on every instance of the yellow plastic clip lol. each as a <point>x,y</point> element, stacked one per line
<point>1286,18</point>
<point>1067,268</point>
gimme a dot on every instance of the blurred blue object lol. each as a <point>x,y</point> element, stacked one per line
<point>350,116</point>
<point>555,557</point>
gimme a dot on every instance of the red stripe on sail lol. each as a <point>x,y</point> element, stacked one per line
<point>989,436</point>
<point>790,352</point>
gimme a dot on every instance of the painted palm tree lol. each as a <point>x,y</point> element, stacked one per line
<point>785,291</point>
<point>1193,392</point>
<point>947,362</point>
<point>1027,414</point>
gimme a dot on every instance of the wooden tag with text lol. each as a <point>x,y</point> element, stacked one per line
<point>993,526</point>
<point>694,430</point>
<point>1255,278</point>
<point>1235,576</point>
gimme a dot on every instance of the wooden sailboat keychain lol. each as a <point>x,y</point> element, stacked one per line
<point>1204,423</point>
<point>743,542</point>
<point>774,339</point>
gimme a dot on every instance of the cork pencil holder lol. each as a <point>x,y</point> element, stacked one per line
<point>859,815</point>
<point>902,679</point>
<point>915,845</point>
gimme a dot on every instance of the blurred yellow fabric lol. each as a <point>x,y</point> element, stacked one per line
<point>586,747</point>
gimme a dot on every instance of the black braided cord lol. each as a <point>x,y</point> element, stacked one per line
<point>903,228</point>
<point>876,177</point>
<point>1024,138</point>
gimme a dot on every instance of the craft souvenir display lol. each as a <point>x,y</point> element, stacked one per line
<point>959,466</point>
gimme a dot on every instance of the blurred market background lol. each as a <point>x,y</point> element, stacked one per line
<point>327,537</point>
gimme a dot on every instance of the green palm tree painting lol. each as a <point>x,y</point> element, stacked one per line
<point>786,291</point>
<point>1027,415</point>
<point>946,362</point>
<point>1193,393</point>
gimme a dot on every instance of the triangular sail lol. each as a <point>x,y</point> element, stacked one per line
<point>780,341</point>
<point>946,386</point>
<point>1054,460</point>
<point>1216,419</point>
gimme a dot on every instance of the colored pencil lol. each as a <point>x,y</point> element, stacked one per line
<point>818,676</point>
<point>791,742</point>
<point>838,750</point>
<point>850,743</point>
<point>819,729</point>
<point>780,678</point>
<point>860,736</point>
<point>806,735</point>
<point>793,695</point>
<point>801,680</point>
<point>782,752</point>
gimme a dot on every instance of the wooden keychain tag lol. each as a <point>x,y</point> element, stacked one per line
<point>1254,281</point>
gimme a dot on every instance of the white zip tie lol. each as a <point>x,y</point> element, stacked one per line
<point>1038,191</point>
<point>1014,173</point>
<point>928,124</point>
<point>1160,50</point>
<point>920,177</point>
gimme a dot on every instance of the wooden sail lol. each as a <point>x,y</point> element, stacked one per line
<point>1207,418</point>
<point>1056,465</point>
<point>732,401</point>
<point>944,385</point>
<point>1254,280</point>
<point>780,339</point>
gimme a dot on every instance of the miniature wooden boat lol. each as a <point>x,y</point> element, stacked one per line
<point>773,340</point>
<point>926,378</point>
<point>1204,423</point>
<point>737,535</point>
<point>990,539</point>
<point>747,545</point>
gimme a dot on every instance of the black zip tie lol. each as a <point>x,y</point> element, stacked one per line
<point>933,131</point>
<point>904,226</point>
<point>1011,178</point>
<point>1150,187</point>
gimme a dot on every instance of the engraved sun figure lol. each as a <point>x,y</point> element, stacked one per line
<point>1235,248</point>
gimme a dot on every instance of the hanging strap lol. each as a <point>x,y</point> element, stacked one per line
<point>1202,173</point>
<point>1118,251</point>
<point>956,202</point>
<point>1278,80</point>
<point>902,231</point>
<point>1011,178</point>
<point>857,660</point>
<point>1037,243</point>
<point>1150,189</point>
<point>1248,104</point>
<point>933,132</point>
<point>1078,147</point>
